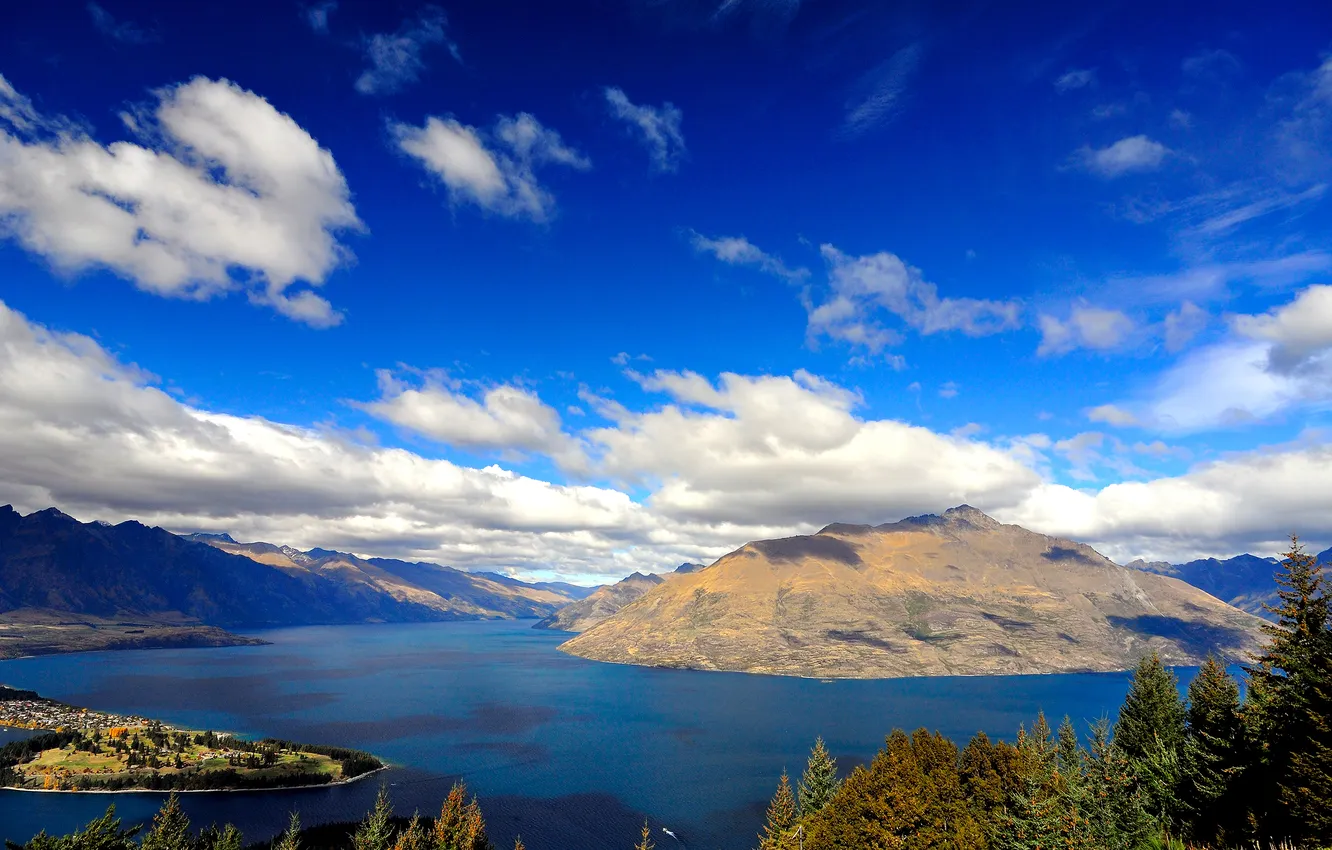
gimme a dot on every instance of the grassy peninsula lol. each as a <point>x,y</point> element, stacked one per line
<point>84,750</point>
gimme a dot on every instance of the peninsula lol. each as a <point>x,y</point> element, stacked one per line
<point>86,750</point>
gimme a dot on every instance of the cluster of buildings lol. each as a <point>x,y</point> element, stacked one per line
<point>56,716</point>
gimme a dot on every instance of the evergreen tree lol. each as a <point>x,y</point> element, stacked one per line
<point>171,828</point>
<point>1214,758</point>
<point>819,782</point>
<point>1292,683</point>
<point>376,831</point>
<point>1152,711</point>
<point>518,844</point>
<point>1113,805</point>
<point>290,839</point>
<point>1042,810</point>
<point>226,838</point>
<point>103,833</point>
<point>645,842</point>
<point>990,776</point>
<point>782,818</point>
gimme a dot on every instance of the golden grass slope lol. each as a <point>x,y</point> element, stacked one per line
<point>960,594</point>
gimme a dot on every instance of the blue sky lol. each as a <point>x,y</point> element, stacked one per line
<point>584,288</point>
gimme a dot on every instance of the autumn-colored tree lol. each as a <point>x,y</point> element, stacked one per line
<point>645,841</point>
<point>782,817</point>
<point>990,776</point>
<point>460,825</point>
<point>414,837</point>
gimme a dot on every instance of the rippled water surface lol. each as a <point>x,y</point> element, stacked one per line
<point>572,754</point>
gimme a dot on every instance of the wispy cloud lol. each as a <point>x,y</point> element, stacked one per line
<point>739,251</point>
<point>1077,78</point>
<point>122,31</point>
<point>395,58</point>
<point>317,15</point>
<point>657,127</point>
<point>1095,328</point>
<point>877,95</point>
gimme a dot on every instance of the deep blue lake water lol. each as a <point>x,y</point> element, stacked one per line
<point>572,754</point>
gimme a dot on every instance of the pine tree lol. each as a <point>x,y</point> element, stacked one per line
<point>1041,812</point>
<point>518,844</point>
<point>290,839</point>
<point>782,816</point>
<point>171,828</point>
<point>226,838</point>
<point>1151,711</point>
<point>1292,681</point>
<point>376,831</point>
<point>819,782</point>
<point>1113,805</point>
<point>645,842</point>
<point>1214,758</point>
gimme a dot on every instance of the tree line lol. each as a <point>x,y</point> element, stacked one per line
<point>1224,767</point>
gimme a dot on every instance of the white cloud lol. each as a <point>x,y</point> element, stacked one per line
<point>878,94</point>
<point>1112,415</point>
<point>1298,330</point>
<point>122,31</point>
<point>791,451</point>
<point>1095,328</point>
<point>395,58</point>
<point>1249,502</point>
<point>1128,155</point>
<point>948,390</point>
<point>234,185</point>
<point>743,458</point>
<point>494,170</point>
<point>739,251</point>
<point>657,127</point>
<point>1075,79</point>
<point>861,286</point>
<point>504,417</point>
<point>317,15</point>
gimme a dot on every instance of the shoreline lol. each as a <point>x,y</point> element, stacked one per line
<point>339,783</point>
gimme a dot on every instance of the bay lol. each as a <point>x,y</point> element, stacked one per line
<point>571,754</point>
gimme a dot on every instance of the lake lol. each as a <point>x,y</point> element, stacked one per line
<point>572,754</point>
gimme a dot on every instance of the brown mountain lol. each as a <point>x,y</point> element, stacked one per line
<point>605,601</point>
<point>958,594</point>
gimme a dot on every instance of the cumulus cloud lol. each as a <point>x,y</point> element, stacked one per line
<point>1128,155</point>
<point>1298,331</point>
<point>790,451</point>
<point>1183,324</point>
<point>395,59</point>
<point>739,251</point>
<point>122,31</point>
<point>504,417</point>
<point>1074,79</point>
<point>1248,502</point>
<point>235,195</point>
<point>495,169</point>
<point>1095,328</point>
<point>657,127</point>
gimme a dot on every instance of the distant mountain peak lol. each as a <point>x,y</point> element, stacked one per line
<point>975,516</point>
<point>296,555</point>
<point>205,536</point>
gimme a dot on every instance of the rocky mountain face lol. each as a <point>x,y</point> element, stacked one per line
<point>54,563</point>
<point>1244,581</point>
<point>958,594</point>
<point>606,601</point>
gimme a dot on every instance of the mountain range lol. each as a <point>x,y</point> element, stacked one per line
<point>958,594</point>
<point>66,585</point>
